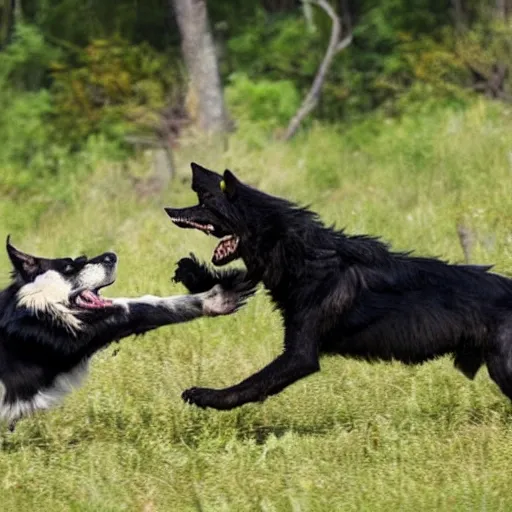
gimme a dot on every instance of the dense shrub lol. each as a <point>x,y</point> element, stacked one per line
<point>36,154</point>
<point>269,103</point>
<point>114,88</point>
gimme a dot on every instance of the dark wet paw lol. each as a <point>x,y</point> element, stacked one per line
<point>193,275</point>
<point>206,397</point>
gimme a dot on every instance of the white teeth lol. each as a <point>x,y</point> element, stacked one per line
<point>206,228</point>
<point>227,246</point>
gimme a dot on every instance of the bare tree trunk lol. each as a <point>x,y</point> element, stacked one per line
<point>458,15</point>
<point>18,10</point>
<point>501,9</point>
<point>7,22</point>
<point>336,44</point>
<point>201,61</point>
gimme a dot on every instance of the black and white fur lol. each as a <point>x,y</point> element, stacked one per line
<point>52,321</point>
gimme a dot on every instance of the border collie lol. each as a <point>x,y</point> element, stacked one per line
<point>342,294</point>
<point>53,320</point>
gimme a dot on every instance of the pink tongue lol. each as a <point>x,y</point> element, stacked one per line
<point>94,300</point>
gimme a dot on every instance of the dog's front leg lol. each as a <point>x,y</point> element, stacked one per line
<point>139,315</point>
<point>299,359</point>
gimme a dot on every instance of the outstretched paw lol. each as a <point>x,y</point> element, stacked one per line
<point>218,301</point>
<point>195,276</point>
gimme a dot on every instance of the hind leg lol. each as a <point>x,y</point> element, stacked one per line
<point>499,358</point>
<point>499,365</point>
<point>469,363</point>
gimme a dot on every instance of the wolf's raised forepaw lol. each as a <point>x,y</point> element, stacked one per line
<point>198,277</point>
<point>195,276</point>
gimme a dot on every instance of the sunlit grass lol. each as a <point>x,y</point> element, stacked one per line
<point>353,437</point>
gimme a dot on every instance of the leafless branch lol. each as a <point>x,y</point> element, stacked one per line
<point>336,45</point>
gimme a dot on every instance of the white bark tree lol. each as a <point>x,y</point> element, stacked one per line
<point>337,43</point>
<point>201,61</point>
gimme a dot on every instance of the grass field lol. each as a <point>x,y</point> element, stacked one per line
<point>353,437</point>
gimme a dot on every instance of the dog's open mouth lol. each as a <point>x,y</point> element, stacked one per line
<point>90,299</point>
<point>226,250</point>
<point>185,223</point>
<point>228,246</point>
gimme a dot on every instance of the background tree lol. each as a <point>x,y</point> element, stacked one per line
<point>200,59</point>
<point>8,10</point>
<point>337,43</point>
<point>77,72</point>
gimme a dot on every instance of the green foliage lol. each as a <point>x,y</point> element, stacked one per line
<point>426,74</point>
<point>77,73</point>
<point>292,54</point>
<point>52,135</point>
<point>396,51</point>
<point>75,23</point>
<point>35,160</point>
<point>24,63</point>
<point>25,135</point>
<point>27,152</point>
<point>291,49</point>
<point>117,62</point>
<point>116,87</point>
<point>485,46</point>
<point>402,59</point>
<point>270,103</point>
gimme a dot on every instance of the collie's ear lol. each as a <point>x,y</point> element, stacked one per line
<point>25,264</point>
<point>231,184</point>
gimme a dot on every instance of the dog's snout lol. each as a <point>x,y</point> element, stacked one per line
<point>110,258</point>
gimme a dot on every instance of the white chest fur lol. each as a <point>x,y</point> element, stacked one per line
<point>44,398</point>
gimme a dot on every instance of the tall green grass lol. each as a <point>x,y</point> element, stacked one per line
<point>353,437</point>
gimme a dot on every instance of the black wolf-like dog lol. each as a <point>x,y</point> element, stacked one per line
<point>349,295</point>
<point>53,320</point>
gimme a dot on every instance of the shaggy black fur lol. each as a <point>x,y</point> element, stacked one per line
<point>349,295</point>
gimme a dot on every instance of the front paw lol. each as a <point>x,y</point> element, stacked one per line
<point>193,275</point>
<point>224,302</point>
<point>206,397</point>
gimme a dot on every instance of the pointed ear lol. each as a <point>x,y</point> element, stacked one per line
<point>25,264</point>
<point>197,168</point>
<point>200,172</point>
<point>230,184</point>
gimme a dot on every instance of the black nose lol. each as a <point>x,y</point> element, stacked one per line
<point>110,258</point>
